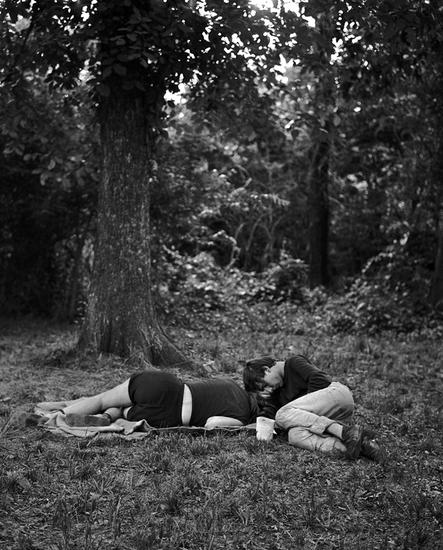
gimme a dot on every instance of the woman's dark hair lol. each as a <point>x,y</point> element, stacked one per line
<point>254,371</point>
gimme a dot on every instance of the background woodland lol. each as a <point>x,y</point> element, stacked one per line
<point>295,154</point>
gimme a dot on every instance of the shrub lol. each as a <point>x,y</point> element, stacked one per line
<point>389,294</point>
<point>199,283</point>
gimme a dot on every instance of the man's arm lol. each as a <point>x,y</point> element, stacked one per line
<point>267,404</point>
<point>314,378</point>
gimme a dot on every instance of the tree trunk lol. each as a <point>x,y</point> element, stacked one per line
<point>318,206</point>
<point>436,291</point>
<point>318,177</point>
<point>120,317</point>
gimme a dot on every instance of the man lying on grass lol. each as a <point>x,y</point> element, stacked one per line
<point>316,411</point>
<point>163,401</point>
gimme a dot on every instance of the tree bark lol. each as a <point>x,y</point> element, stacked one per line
<point>120,316</point>
<point>318,177</point>
<point>436,291</point>
<point>318,206</point>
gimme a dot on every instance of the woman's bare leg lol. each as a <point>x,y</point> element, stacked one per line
<point>51,406</point>
<point>113,413</point>
<point>117,397</point>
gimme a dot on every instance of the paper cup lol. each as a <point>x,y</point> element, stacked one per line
<point>265,428</point>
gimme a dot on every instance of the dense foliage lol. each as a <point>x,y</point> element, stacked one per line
<point>347,93</point>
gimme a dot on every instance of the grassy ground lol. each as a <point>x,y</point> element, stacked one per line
<point>223,491</point>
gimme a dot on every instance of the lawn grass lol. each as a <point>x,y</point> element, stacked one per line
<point>222,491</point>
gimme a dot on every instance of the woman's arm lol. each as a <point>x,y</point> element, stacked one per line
<point>222,422</point>
<point>117,397</point>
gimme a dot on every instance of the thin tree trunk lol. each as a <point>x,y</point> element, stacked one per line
<point>436,291</point>
<point>318,208</point>
<point>318,192</point>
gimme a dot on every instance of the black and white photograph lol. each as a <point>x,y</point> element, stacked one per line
<point>221,275</point>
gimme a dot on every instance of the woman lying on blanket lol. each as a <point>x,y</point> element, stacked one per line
<point>163,401</point>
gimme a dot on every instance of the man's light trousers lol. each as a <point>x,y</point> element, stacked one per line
<point>308,417</point>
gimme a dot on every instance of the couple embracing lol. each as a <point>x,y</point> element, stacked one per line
<point>315,411</point>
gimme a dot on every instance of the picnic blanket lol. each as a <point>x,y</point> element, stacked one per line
<point>55,421</point>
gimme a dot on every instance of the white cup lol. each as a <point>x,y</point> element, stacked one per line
<point>264,428</point>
